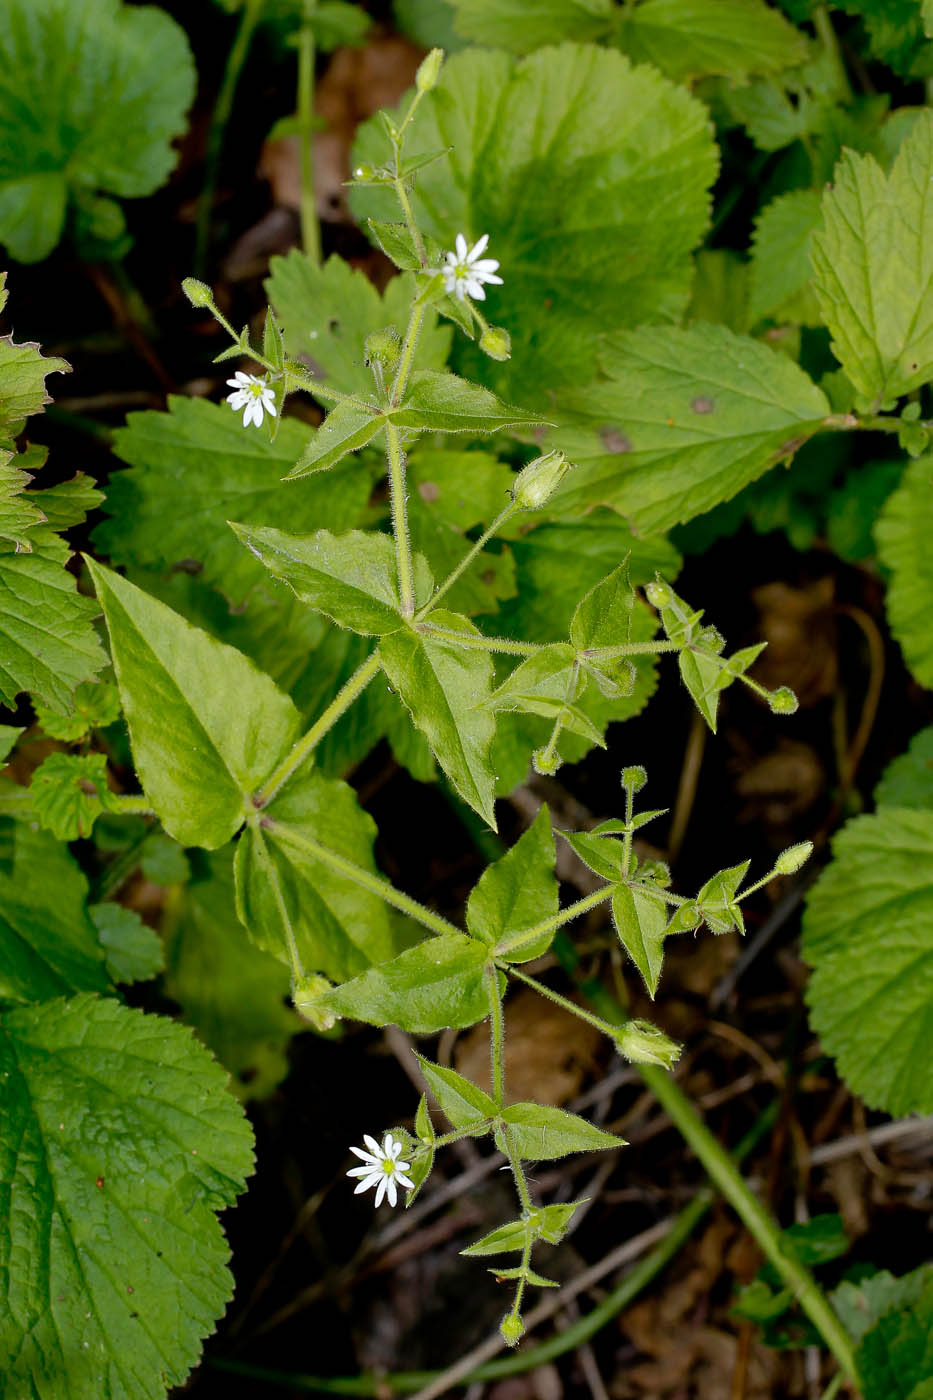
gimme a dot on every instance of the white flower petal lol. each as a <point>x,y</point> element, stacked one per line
<point>366,1170</point>
<point>391,1191</point>
<point>475,289</point>
<point>452,259</point>
<point>403,1180</point>
<point>460,244</point>
<point>366,1183</point>
<point>268,400</point>
<point>373,1146</point>
<point>478,247</point>
<point>392,1147</point>
<point>381,1189</point>
<point>401,1167</point>
<point>480,269</point>
<point>365,1156</point>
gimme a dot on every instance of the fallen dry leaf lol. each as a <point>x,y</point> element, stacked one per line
<point>547,1051</point>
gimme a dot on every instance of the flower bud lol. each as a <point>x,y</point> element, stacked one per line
<point>363,172</point>
<point>383,347</point>
<point>685,917</point>
<point>429,71</point>
<point>634,777</point>
<point>496,343</point>
<point>645,1044</point>
<point>198,293</point>
<point>659,595</point>
<point>711,638</point>
<point>783,701</point>
<point>511,1329</point>
<point>536,483</point>
<point>546,761</point>
<point>790,861</point>
<point>308,994</point>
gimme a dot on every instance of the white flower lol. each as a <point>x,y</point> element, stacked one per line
<point>465,271</point>
<point>381,1168</point>
<point>253,395</point>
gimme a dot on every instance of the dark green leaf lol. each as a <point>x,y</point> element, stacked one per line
<point>517,891</point>
<point>908,780</point>
<point>133,950</point>
<point>444,403</point>
<point>68,792</point>
<point>346,428</point>
<point>540,1133</point>
<point>460,1099</point>
<point>438,983</point>
<point>641,923</point>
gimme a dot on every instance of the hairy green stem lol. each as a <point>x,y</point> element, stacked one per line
<point>410,222</point>
<point>272,875</point>
<point>364,878</point>
<point>564,916</point>
<point>310,228</point>
<point>543,990</point>
<point>342,701</point>
<point>630,649</point>
<point>239,49</point>
<point>496,1037</point>
<point>130,804</point>
<point>407,356</point>
<point>478,642</point>
<point>397,496</point>
<point>467,560</point>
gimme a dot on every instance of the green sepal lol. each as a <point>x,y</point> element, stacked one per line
<point>716,900</point>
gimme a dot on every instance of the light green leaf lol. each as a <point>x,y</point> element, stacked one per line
<point>444,403</point>
<point>873,269</point>
<point>288,889</point>
<point>232,993</point>
<point>504,1240</point>
<point>119,1133</point>
<point>18,511</point>
<point>641,923</point>
<point>903,546</point>
<point>92,94</point>
<point>9,733</point>
<point>699,38</point>
<point>548,683</point>
<point>48,945</point>
<point>600,854</point>
<point>23,371</point>
<point>895,1359</point>
<point>868,935</point>
<point>196,467</point>
<point>132,949</point>
<point>353,578</point>
<point>524,25</point>
<point>443,686</point>
<point>908,780</point>
<point>780,265</point>
<point>591,178</point>
<point>327,312</point>
<point>69,791</point>
<point>861,1305</point>
<point>47,643</point>
<point>683,421</point>
<point>702,674</point>
<point>716,900</point>
<point>438,983</point>
<point>207,727</point>
<point>346,428</point>
<point>96,704</point>
<point>540,1133</point>
<point>163,861</point>
<point>459,1099</point>
<point>517,891</point>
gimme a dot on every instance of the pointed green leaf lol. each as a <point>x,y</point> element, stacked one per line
<point>540,1133</point>
<point>641,924</point>
<point>908,780</point>
<point>716,900</point>
<point>444,403</point>
<point>443,687</point>
<point>326,313</point>
<point>48,945</point>
<point>287,888</point>
<point>93,94</point>
<point>873,268</point>
<point>507,1239</point>
<point>702,674</point>
<point>196,467</point>
<point>234,995</point>
<point>601,855</point>
<point>436,984</point>
<point>353,578</point>
<point>868,935</point>
<point>460,1099</point>
<point>547,684</point>
<point>517,891</point>
<point>69,791</point>
<point>780,265</point>
<point>207,727</point>
<point>684,420</point>
<point>346,428</point>
<point>120,1135</point>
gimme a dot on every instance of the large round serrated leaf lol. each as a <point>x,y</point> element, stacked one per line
<point>591,178</point>
<point>118,1142</point>
<point>868,934</point>
<point>91,94</point>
